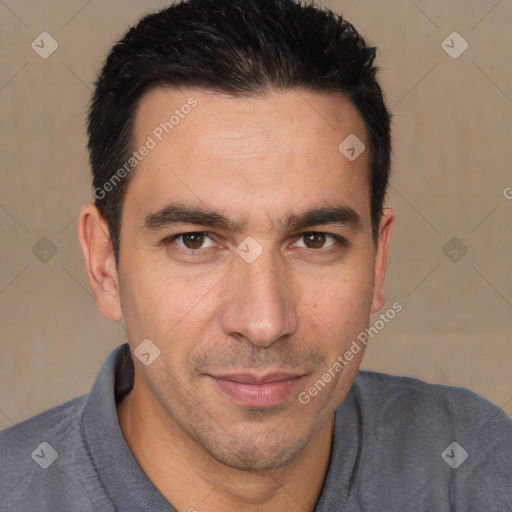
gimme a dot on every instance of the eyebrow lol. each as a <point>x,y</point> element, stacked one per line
<point>179,213</point>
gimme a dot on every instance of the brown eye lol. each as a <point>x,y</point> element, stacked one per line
<point>193,240</point>
<point>191,243</point>
<point>314,240</point>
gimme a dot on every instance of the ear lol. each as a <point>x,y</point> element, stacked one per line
<point>94,238</point>
<point>381,258</point>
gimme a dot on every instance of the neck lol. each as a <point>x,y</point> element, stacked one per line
<point>190,479</point>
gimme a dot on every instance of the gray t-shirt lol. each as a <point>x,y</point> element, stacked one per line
<point>393,450</point>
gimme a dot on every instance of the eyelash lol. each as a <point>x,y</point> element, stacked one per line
<point>199,252</point>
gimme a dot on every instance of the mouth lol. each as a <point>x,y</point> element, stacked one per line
<point>254,390</point>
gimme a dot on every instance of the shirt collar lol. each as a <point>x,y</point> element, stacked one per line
<point>121,477</point>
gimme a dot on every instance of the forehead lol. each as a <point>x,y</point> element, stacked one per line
<point>242,122</point>
<point>255,154</point>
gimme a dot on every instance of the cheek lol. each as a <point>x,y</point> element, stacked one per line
<point>144,298</point>
<point>162,305</point>
<point>340,311</point>
<point>343,299</point>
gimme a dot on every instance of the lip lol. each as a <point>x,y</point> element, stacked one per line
<point>257,391</point>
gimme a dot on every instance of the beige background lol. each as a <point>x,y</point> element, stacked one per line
<point>452,165</point>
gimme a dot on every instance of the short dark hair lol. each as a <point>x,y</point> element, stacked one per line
<point>238,47</point>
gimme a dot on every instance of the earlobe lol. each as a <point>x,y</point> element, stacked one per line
<point>381,258</point>
<point>93,234</point>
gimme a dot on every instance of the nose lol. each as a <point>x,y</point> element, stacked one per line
<point>260,303</point>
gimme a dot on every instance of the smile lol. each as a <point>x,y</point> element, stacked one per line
<point>250,390</point>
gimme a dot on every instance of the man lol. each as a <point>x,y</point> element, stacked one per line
<point>241,152</point>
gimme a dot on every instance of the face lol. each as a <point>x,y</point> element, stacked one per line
<point>247,258</point>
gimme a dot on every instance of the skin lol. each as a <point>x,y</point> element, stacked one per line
<point>297,307</point>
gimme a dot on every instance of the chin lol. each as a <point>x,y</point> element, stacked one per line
<point>256,453</point>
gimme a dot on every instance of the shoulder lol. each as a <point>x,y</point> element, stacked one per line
<point>59,419</point>
<point>435,403</point>
<point>450,437</point>
<point>36,455</point>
